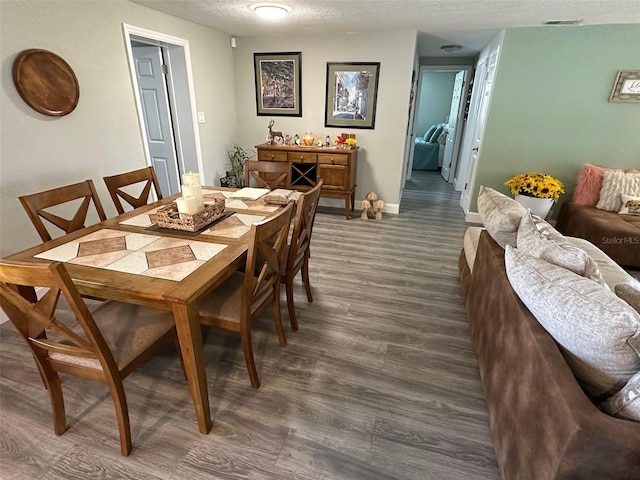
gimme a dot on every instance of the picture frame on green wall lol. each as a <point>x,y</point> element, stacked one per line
<point>626,87</point>
<point>278,84</point>
<point>352,91</point>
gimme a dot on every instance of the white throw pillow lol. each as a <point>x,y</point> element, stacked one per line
<point>500,214</point>
<point>545,228</point>
<point>630,205</point>
<point>615,184</point>
<point>555,249</point>
<point>626,403</point>
<point>597,332</point>
<point>612,273</point>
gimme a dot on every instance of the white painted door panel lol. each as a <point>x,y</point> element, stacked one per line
<point>155,105</point>
<point>452,132</point>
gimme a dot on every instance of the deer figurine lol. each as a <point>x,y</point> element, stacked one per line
<point>273,134</point>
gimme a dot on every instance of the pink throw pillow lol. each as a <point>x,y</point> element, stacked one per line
<point>587,191</point>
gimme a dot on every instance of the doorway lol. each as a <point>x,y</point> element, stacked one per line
<point>160,69</point>
<point>440,101</point>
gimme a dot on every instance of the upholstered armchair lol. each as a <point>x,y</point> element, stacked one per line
<point>428,150</point>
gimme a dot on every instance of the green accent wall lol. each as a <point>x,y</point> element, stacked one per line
<point>549,110</point>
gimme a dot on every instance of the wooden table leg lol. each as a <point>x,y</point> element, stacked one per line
<point>190,338</point>
<point>346,205</point>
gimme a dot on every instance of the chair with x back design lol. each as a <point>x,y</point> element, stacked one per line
<point>299,248</point>
<point>37,204</point>
<point>105,345</point>
<point>243,297</point>
<point>116,183</point>
<point>270,175</point>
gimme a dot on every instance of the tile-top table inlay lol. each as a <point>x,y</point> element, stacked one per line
<point>238,203</point>
<point>144,219</point>
<point>234,226</point>
<point>137,253</point>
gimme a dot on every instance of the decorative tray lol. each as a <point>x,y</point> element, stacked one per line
<point>168,217</point>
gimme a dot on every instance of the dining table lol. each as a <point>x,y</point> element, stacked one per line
<point>129,258</point>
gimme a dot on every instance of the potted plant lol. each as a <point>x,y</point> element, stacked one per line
<point>237,156</point>
<point>536,191</point>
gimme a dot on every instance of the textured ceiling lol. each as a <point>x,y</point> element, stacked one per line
<point>470,23</point>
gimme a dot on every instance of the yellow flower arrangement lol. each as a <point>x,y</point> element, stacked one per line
<point>341,141</point>
<point>536,185</point>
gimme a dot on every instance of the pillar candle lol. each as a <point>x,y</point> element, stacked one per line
<point>187,205</point>
<point>194,191</point>
<point>191,178</point>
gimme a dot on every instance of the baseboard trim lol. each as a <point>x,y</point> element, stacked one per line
<point>392,209</point>
<point>473,217</point>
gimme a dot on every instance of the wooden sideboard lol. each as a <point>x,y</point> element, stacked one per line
<point>306,165</point>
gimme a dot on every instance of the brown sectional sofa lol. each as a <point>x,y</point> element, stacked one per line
<point>615,234</point>
<point>543,425</point>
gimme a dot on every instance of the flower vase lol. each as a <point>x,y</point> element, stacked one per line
<point>539,206</point>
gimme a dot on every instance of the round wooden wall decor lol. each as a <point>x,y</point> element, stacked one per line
<point>46,82</point>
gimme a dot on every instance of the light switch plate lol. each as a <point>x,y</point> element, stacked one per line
<point>201,118</point>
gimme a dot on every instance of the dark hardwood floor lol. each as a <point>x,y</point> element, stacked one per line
<point>380,382</point>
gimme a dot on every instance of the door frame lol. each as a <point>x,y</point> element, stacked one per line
<point>408,165</point>
<point>486,70</point>
<point>186,129</point>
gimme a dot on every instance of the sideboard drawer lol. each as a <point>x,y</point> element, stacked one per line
<point>333,159</point>
<point>272,155</point>
<point>302,157</point>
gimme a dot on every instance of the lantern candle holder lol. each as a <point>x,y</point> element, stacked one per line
<point>307,139</point>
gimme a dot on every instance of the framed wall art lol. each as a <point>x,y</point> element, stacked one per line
<point>278,91</point>
<point>626,87</point>
<point>352,90</point>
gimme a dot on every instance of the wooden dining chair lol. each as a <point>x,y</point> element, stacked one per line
<point>270,175</point>
<point>64,336</point>
<point>243,297</point>
<point>37,204</point>
<point>298,249</point>
<point>116,183</point>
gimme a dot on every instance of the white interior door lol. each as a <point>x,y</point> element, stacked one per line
<point>409,141</point>
<point>152,88</point>
<point>452,130</point>
<point>486,75</point>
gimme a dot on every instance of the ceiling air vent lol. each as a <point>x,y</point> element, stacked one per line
<point>563,22</point>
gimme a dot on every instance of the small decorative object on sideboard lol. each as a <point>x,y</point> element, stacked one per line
<point>536,191</point>
<point>308,139</point>
<point>345,140</point>
<point>274,134</point>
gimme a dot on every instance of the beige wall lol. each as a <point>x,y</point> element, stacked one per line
<point>101,136</point>
<point>380,157</point>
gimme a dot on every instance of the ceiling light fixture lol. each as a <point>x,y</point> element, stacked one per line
<point>451,48</point>
<point>270,11</point>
